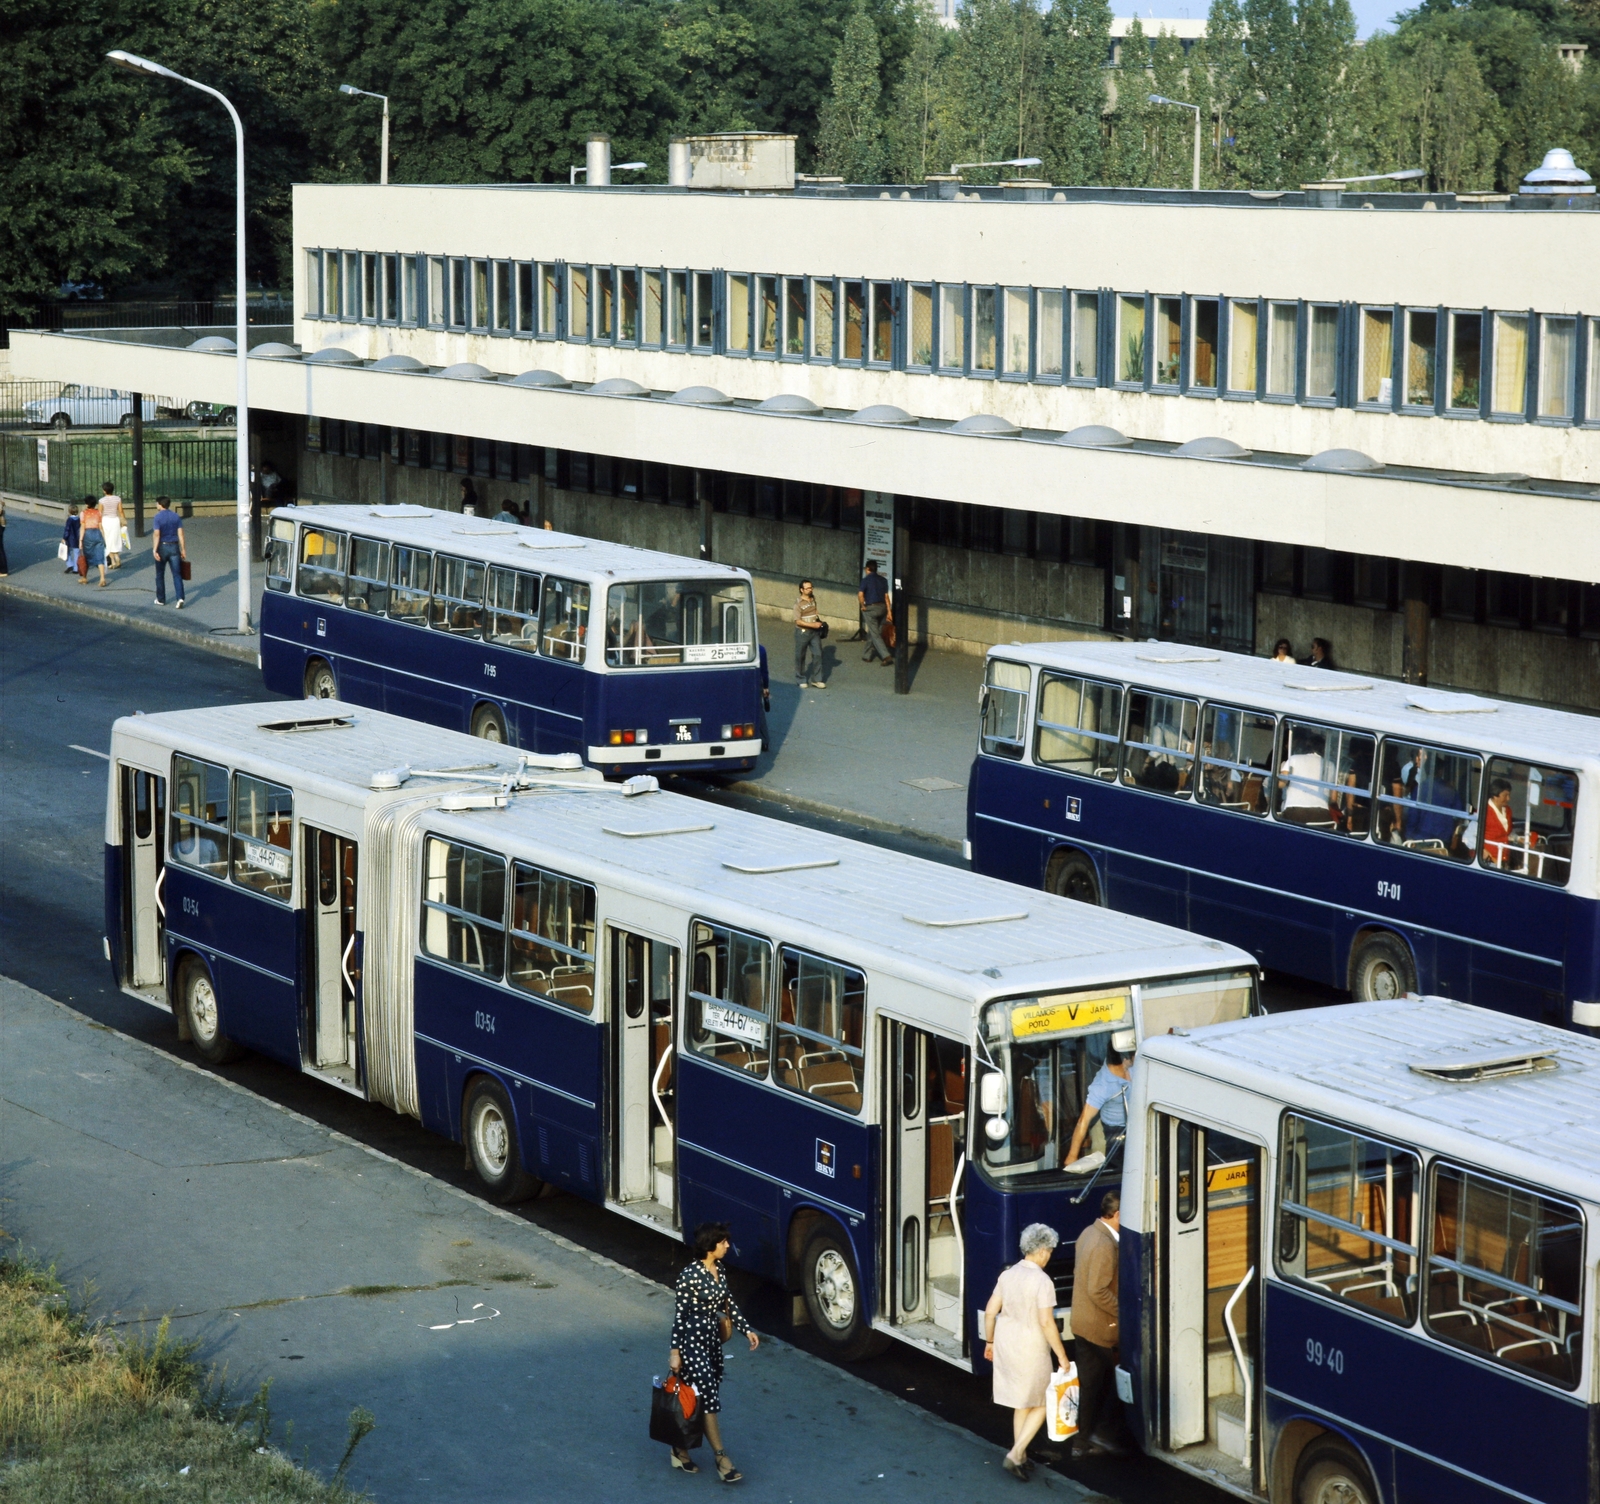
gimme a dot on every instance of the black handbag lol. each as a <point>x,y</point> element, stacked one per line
<point>822,632</point>
<point>668,1423</point>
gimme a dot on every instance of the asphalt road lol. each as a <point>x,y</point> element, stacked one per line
<point>63,680</point>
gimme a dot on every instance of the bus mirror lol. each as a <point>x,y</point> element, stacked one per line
<point>997,1129</point>
<point>1124,1042</point>
<point>992,1095</point>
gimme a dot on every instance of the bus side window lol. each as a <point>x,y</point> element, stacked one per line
<point>513,609</point>
<point>1428,800</point>
<point>1529,814</point>
<point>729,1016</point>
<point>263,827</point>
<point>199,804</point>
<point>1347,1216</point>
<point>463,906</point>
<point>1005,709</point>
<point>280,550</point>
<point>565,619</point>
<point>1080,722</point>
<point>1505,1273</point>
<point>368,585</point>
<point>410,572</point>
<point>322,565</point>
<point>1158,751</point>
<point>821,1029</point>
<point>457,605</point>
<point>1236,759</point>
<point>1325,778</point>
<point>552,937</point>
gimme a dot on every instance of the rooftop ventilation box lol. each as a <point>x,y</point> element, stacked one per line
<point>750,160</point>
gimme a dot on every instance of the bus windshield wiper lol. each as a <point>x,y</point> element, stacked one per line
<point>1116,1144</point>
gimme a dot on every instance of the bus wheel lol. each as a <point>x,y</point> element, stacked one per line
<point>320,682</point>
<point>1074,877</point>
<point>1332,1474</point>
<point>200,1011</point>
<point>1381,970</point>
<point>491,1132</point>
<point>835,1300</point>
<point>488,723</point>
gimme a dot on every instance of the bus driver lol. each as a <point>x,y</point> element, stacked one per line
<point>1107,1098</point>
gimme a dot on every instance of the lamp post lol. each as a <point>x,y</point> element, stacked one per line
<point>1178,104</point>
<point>383,170</point>
<point>572,173</point>
<point>144,66</point>
<point>956,167</point>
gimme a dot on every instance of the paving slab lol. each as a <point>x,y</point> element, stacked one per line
<point>502,1362</point>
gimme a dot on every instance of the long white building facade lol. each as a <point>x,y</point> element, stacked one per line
<point>1217,418</point>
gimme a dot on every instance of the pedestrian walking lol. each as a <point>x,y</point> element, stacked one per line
<point>874,599</point>
<point>1094,1330</point>
<point>706,1316</point>
<point>809,631</point>
<point>507,514</point>
<point>111,514</point>
<point>170,550</point>
<point>71,532</point>
<point>1020,1334</point>
<point>5,568</point>
<point>93,542</point>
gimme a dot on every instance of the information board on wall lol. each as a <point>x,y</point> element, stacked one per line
<point>877,532</point>
<point>44,461</point>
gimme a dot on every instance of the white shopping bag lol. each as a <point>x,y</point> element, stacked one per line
<point>1061,1404</point>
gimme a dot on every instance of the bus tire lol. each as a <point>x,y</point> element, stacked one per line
<point>1073,876</point>
<point>835,1300</point>
<point>1330,1473</point>
<point>202,1016</point>
<point>490,1129</point>
<point>1381,969</point>
<point>488,723</point>
<point>320,682</point>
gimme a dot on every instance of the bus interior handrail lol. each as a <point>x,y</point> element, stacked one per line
<point>655,1083</point>
<point>161,878</point>
<point>344,963</point>
<point>955,1220</point>
<point>1247,1378</point>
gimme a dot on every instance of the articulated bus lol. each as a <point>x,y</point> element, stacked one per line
<point>1365,834</point>
<point>485,627</point>
<point>681,1012</point>
<point>1356,1262</point>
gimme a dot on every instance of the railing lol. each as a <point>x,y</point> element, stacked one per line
<point>55,469</point>
<point>269,309</point>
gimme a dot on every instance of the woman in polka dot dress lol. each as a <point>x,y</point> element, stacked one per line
<point>703,1299</point>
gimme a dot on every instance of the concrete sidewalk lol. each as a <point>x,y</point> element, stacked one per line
<point>502,1362</point>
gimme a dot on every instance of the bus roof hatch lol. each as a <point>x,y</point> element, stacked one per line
<point>1487,1067</point>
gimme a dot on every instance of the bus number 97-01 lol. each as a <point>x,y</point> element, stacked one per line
<point>1330,1358</point>
<point>1388,890</point>
<point>484,1021</point>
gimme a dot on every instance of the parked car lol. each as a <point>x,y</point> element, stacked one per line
<point>86,405</point>
<point>211,412</point>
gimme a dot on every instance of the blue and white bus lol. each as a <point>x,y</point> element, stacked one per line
<point>1356,1255</point>
<point>1362,833</point>
<point>485,627</point>
<point>679,1011</point>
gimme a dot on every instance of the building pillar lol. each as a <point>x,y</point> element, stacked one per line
<point>902,601</point>
<point>138,464</point>
<point>1414,653</point>
<point>702,492</point>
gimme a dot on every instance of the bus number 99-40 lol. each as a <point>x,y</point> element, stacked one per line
<point>484,1021</point>
<point>1330,1358</point>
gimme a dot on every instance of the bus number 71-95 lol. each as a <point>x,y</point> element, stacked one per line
<point>1330,1358</point>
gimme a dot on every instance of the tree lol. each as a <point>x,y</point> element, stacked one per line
<point>1169,133</point>
<point>1325,35</point>
<point>1263,150</point>
<point>996,99</point>
<point>714,49</point>
<point>1077,46</point>
<point>850,138</point>
<point>1126,162</point>
<point>915,143</point>
<point>1223,62</point>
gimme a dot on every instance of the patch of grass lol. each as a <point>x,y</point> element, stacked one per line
<point>84,1416</point>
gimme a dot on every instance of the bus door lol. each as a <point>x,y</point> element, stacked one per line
<point>925,1114</point>
<point>644,1134</point>
<point>1210,1295</point>
<point>144,828</point>
<point>332,1037</point>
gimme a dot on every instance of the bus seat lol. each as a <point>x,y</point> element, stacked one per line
<point>941,1160</point>
<point>1253,794</point>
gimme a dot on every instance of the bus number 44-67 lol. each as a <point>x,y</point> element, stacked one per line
<point>1331,1358</point>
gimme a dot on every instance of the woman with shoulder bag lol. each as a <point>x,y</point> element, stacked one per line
<point>706,1316</point>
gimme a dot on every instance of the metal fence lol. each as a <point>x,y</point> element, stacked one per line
<point>16,395</point>
<point>57,469</point>
<point>269,309</point>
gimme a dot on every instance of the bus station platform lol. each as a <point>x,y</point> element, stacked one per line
<point>855,752</point>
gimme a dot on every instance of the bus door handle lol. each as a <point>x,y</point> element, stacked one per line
<point>655,1084</point>
<point>344,964</point>
<point>161,878</point>
<point>955,1220</point>
<point>1238,1357</point>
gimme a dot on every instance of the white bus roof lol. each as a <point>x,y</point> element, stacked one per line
<point>949,930</point>
<point>1528,732</point>
<point>1382,1067</point>
<point>510,544</point>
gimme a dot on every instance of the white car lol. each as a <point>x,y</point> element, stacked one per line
<point>86,405</point>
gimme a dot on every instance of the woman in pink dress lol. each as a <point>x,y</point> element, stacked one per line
<point>1020,1334</point>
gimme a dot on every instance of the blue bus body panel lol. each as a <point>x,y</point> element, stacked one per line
<point>246,940</point>
<point>1448,1427</point>
<point>652,698</point>
<point>1256,888</point>
<point>548,1059</point>
<point>113,913</point>
<point>749,1155</point>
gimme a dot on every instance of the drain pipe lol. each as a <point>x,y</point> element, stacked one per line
<point>597,158</point>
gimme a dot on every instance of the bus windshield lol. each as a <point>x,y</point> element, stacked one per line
<point>669,622</point>
<point>1051,1047</point>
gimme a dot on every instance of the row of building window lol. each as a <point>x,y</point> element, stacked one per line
<point>1517,365</point>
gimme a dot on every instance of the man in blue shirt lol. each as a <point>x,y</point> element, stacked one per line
<point>169,550</point>
<point>874,600</point>
<point>1107,1100</point>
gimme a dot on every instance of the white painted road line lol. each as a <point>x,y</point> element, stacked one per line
<point>103,756</point>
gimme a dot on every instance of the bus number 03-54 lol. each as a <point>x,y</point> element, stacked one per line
<point>1331,1358</point>
<point>484,1021</point>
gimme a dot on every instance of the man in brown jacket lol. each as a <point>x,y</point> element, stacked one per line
<point>1094,1330</point>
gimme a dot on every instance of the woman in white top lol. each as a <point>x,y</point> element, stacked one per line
<point>116,534</point>
<point>1020,1334</point>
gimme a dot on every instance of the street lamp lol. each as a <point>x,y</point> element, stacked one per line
<point>1178,104</point>
<point>956,167</point>
<point>383,171</point>
<point>242,396</point>
<point>1405,175</point>
<point>572,175</point>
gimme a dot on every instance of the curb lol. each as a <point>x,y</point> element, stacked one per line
<point>203,641</point>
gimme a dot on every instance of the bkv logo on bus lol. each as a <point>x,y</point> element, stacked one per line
<point>825,1164</point>
<point>1074,808</point>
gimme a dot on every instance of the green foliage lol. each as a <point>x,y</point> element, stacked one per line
<point>1077,42</point>
<point>915,133</point>
<point>850,140</point>
<point>995,98</point>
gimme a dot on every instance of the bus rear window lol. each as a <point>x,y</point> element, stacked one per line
<point>322,564</point>
<point>1194,1002</point>
<point>1528,819</point>
<point>658,623</point>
